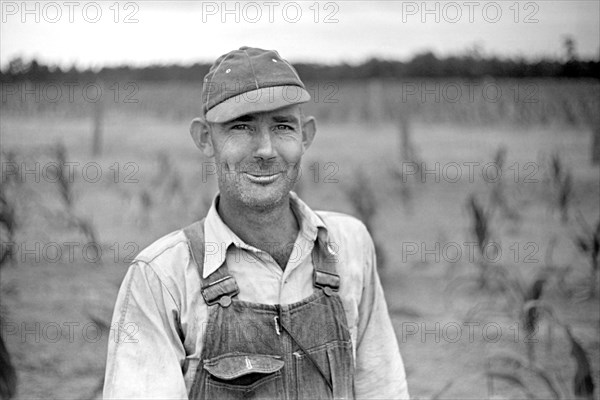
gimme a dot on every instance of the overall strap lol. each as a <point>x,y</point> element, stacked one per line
<point>219,287</point>
<point>325,262</point>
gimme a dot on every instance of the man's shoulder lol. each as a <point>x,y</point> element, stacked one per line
<point>337,220</point>
<point>352,243</point>
<point>168,260</point>
<point>164,247</point>
<point>344,228</point>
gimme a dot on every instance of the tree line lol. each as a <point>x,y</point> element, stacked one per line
<point>426,65</point>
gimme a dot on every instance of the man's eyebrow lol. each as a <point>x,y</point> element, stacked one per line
<point>285,118</point>
<point>243,118</point>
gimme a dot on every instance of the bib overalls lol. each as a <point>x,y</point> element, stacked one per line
<point>261,351</point>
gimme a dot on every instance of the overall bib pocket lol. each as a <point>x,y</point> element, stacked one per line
<point>242,376</point>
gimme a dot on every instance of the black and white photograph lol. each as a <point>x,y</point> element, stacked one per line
<point>295,200</point>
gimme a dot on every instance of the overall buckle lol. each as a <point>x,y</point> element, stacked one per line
<point>327,281</point>
<point>220,291</point>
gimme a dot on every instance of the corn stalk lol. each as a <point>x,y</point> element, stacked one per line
<point>363,200</point>
<point>588,243</point>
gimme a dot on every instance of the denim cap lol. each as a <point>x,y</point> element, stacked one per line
<point>250,80</point>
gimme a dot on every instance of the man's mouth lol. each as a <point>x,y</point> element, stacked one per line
<point>262,178</point>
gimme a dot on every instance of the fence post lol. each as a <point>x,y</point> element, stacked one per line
<point>97,120</point>
<point>596,144</point>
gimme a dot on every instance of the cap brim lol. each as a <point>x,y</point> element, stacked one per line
<point>258,100</point>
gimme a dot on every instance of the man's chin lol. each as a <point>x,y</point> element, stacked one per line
<point>256,194</point>
<point>264,200</point>
<point>263,197</point>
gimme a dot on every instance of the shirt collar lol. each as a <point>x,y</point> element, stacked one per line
<point>218,236</point>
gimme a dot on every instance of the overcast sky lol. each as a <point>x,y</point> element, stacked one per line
<point>144,32</point>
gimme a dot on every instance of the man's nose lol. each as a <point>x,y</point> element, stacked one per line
<point>264,144</point>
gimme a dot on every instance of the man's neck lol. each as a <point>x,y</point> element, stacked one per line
<point>268,230</point>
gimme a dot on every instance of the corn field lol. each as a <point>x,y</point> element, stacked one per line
<point>481,197</point>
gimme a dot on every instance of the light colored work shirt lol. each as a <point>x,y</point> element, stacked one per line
<point>159,319</point>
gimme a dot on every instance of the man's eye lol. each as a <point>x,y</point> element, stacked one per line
<point>240,127</point>
<point>283,127</point>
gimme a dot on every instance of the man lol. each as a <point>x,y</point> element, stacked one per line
<point>264,298</point>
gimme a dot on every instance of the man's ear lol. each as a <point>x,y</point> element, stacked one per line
<point>309,130</point>
<point>200,131</point>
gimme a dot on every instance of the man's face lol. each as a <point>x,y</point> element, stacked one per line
<point>258,156</point>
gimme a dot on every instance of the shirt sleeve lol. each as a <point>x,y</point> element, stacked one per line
<point>145,351</point>
<point>379,367</point>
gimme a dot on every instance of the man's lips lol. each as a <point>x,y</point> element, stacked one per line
<point>262,173</point>
<point>262,177</point>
